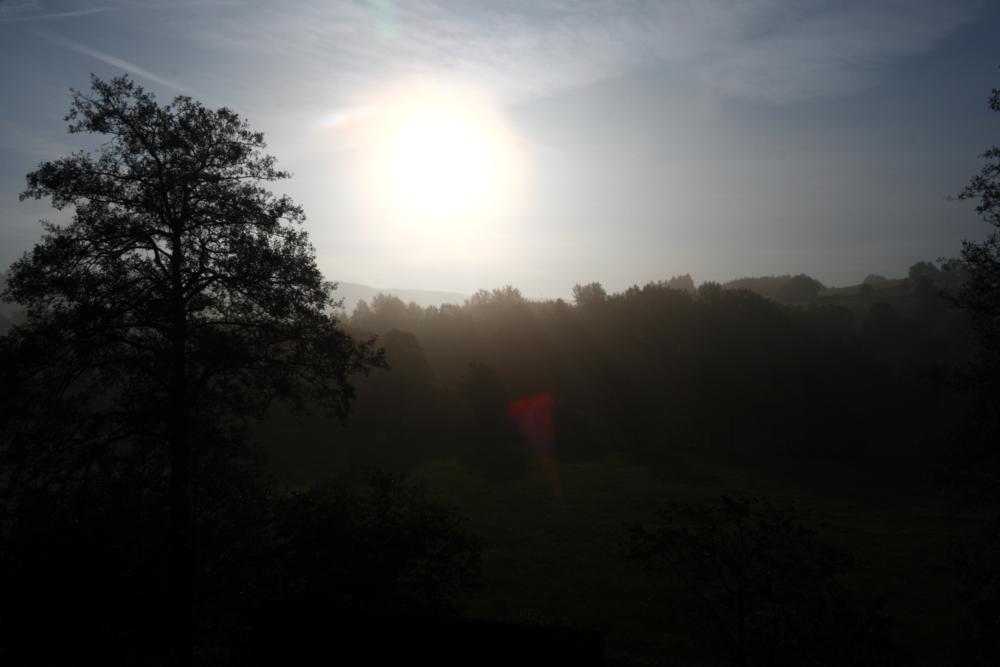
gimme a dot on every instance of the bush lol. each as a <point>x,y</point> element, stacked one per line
<point>978,567</point>
<point>373,545</point>
<point>761,587</point>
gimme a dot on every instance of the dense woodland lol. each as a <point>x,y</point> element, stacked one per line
<point>667,365</point>
<point>866,397</point>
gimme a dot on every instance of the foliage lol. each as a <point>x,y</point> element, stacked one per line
<point>503,297</point>
<point>182,291</point>
<point>374,546</point>
<point>799,289</point>
<point>763,587</point>
<point>647,370</point>
<point>783,289</point>
<point>979,569</point>
<point>175,248</point>
<point>683,282</point>
<point>181,299</point>
<point>88,566</point>
<point>589,294</point>
<point>981,294</point>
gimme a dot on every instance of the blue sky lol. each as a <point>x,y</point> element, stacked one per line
<point>720,138</point>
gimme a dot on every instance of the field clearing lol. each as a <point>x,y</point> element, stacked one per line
<point>555,548</point>
<point>555,535</point>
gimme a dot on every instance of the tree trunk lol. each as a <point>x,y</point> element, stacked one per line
<point>181,547</point>
<point>181,566</point>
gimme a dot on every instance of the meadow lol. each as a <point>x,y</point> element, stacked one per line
<point>555,536</point>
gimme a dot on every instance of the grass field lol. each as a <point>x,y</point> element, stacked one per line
<point>555,546</point>
<point>555,535</point>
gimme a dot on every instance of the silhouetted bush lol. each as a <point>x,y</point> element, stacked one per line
<point>761,587</point>
<point>82,576</point>
<point>978,566</point>
<point>372,545</point>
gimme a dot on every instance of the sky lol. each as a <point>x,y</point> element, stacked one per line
<point>626,141</point>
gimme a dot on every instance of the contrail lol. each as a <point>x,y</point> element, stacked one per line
<point>57,15</point>
<point>118,62</point>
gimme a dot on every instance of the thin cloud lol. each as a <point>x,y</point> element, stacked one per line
<point>12,7</point>
<point>29,11</point>
<point>775,51</point>
<point>55,16</point>
<point>108,59</point>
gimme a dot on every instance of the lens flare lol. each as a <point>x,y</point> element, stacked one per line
<point>535,417</point>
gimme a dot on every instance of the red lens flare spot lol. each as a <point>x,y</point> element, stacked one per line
<point>535,416</point>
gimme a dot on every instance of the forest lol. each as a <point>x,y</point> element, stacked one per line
<point>205,460</point>
<point>854,403</point>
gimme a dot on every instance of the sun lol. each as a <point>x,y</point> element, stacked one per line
<point>443,159</point>
<point>441,163</point>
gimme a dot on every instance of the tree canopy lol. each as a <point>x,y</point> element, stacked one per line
<point>182,298</point>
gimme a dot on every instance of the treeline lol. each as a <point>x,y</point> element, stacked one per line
<point>654,367</point>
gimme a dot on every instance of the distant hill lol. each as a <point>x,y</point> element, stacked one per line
<point>351,293</point>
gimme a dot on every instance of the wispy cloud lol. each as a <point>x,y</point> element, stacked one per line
<point>772,51</point>
<point>15,18</point>
<point>775,51</point>
<point>109,59</point>
<point>14,7</point>
<point>829,53</point>
<point>23,11</point>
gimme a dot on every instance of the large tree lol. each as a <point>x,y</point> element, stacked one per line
<point>182,297</point>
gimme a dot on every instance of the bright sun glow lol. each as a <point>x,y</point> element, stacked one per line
<point>441,163</point>
<point>442,160</point>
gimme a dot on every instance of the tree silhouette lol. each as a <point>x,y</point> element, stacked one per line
<point>589,295</point>
<point>981,292</point>
<point>182,298</point>
<point>799,289</point>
